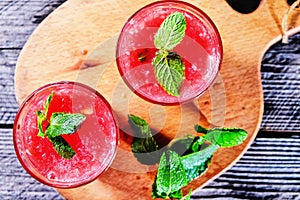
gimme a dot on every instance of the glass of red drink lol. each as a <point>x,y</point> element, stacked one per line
<point>95,141</point>
<point>200,49</point>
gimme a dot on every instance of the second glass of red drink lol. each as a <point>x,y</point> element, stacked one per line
<point>145,61</point>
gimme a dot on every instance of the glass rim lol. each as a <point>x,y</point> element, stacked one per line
<point>44,180</point>
<point>217,38</point>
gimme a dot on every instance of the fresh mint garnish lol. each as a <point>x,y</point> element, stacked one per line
<point>62,147</point>
<point>144,146</point>
<point>187,144</point>
<point>168,66</point>
<point>64,123</point>
<point>185,158</point>
<point>188,196</point>
<point>226,137</point>
<point>197,163</point>
<point>60,123</point>
<point>169,72</point>
<point>42,115</point>
<point>170,32</point>
<point>200,129</point>
<point>170,176</point>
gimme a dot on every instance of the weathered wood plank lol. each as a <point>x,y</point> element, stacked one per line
<point>280,74</point>
<point>8,103</point>
<point>18,18</point>
<point>15,183</point>
<point>268,170</point>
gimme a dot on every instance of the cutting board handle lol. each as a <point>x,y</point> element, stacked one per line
<point>285,23</point>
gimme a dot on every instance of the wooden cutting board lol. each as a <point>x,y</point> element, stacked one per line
<point>77,42</point>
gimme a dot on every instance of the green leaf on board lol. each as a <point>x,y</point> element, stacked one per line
<point>197,163</point>
<point>200,129</point>
<point>226,137</point>
<point>185,158</point>
<point>143,146</point>
<point>170,176</point>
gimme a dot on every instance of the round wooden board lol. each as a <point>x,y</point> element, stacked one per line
<point>58,49</point>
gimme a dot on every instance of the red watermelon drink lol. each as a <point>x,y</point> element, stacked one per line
<point>169,52</point>
<point>65,134</point>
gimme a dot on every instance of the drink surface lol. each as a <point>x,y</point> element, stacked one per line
<point>94,142</point>
<point>201,51</point>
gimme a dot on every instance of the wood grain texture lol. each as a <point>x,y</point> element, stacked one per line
<point>17,184</point>
<point>78,32</point>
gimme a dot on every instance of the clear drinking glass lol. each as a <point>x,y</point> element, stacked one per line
<point>200,49</point>
<point>95,142</point>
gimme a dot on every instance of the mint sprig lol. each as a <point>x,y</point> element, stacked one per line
<point>171,176</point>
<point>185,158</point>
<point>170,32</point>
<point>223,137</point>
<point>64,123</point>
<point>62,147</point>
<point>168,66</point>
<point>169,72</point>
<point>60,123</point>
<point>144,147</point>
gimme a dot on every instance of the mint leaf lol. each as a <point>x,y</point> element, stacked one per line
<point>197,163</point>
<point>187,144</point>
<point>40,118</point>
<point>176,195</point>
<point>188,196</point>
<point>198,143</point>
<point>200,129</point>
<point>139,125</point>
<point>47,103</point>
<point>143,146</point>
<point>59,123</point>
<point>168,66</point>
<point>185,158</point>
<point>170,176</point>
<point>63,123</point>
<point>42,115</point>
<point>182,145</point>
<point>170,32</point>
<point>226,137</point>
<point>169,72</point>
<point>62,147</point>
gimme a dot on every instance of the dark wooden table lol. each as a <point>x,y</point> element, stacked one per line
<point>270,169</point>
